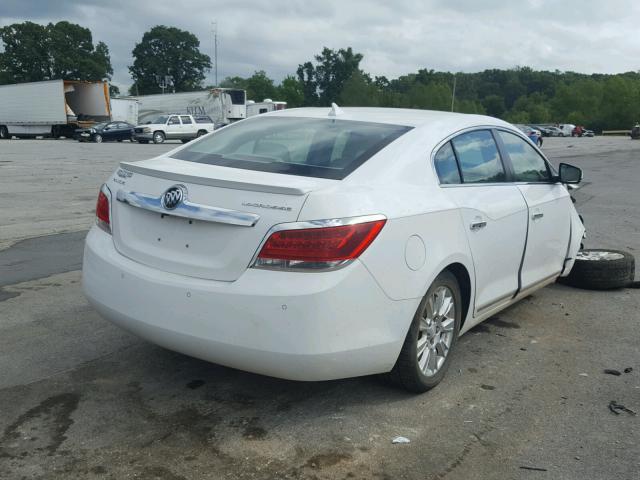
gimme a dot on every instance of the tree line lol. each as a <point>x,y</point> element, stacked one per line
<point>34,52</point>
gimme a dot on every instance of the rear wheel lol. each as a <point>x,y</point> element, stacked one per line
<point>426,352</point>
<point>158,137</point>
<point>201,133</point>
<point>4,132</point>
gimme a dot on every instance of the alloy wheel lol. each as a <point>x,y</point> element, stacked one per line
<point>436,330</point>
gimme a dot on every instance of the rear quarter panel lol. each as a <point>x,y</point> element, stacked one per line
<point>416,215</point>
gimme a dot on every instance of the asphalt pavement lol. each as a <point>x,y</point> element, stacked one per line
<point>526,396</point>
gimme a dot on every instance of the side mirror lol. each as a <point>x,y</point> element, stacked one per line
<point>569,174</point>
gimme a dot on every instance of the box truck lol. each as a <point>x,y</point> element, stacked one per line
<point>125,110</point>
<point>222,105</point>
<point>52,108</point>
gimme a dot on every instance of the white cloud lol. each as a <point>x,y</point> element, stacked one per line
<point>395,37</point>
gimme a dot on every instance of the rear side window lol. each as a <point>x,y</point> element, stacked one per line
<point>447,166</point>
<point>186,120</point>
<point>203,119</point>
<point>528,165</point>
<point>312,147</point>
<point>478,157</point>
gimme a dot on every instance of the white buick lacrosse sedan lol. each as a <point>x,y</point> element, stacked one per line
<point>317,243</point>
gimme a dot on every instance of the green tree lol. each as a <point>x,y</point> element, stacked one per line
<point>73,56</point>
<point>359,91</point>
<point>233,82</point>
<point>114,91</point>
<point>260,87</point>
<point>290,91</point>
<point>323,82</point>
<point>494,105</point>
<point>168,51</point>
<point>63,50</point>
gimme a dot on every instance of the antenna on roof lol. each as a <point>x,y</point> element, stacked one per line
<point>335,110</point>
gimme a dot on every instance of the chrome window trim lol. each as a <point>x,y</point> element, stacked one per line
<point>306,224</point>
<point>514,131</point>
<point>189,210</point>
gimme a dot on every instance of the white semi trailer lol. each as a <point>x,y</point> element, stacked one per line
<point>52,108</point>
<point>222,105</point>
<point>124,110</point>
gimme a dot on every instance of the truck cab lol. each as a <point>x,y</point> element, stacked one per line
<point>173,127</point>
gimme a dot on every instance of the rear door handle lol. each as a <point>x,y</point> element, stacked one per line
<point>478,225</point>
<point>537,216</point>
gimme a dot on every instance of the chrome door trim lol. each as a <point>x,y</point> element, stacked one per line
<point>189,210</point>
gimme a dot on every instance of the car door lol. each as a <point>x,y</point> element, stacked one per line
<point>548,204</point>
<point>493,212</point>
<point>122,131</point>
<point>188,130</point>
<point>109,132</point>
<point>174,127</point>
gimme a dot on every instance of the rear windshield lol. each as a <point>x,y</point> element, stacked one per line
<point>311,147</point>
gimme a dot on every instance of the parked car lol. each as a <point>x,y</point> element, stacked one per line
<point>635,132</point>
<point>543,130</point>
<point>174,127</point>
<point>534,135</point>
<point>315,244</point>
<point>567,129</point>
<point>588,133</point>
<point>105,132</point>
<point>555,132</point>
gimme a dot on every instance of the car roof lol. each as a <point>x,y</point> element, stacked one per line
<point>396,116</point>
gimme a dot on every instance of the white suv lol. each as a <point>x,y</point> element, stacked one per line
<point>173,127</point>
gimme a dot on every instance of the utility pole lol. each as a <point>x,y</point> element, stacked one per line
<point>214,32</point>
<point>453,94</point>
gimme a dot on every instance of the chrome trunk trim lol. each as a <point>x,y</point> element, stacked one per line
<point>189,210</point>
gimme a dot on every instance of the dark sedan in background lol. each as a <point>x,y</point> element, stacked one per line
<point>106,132</point>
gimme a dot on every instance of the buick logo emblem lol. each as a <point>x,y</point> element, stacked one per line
<point>174,196</point>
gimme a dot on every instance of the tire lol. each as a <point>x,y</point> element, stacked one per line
<point>201,133</point>
<point>4,132</point>
<point>97,138</point>
<point>408,372</point>
<point>561,135</point>
<point>119,141</point>
<point>158,137</point>
<point>598,269</point>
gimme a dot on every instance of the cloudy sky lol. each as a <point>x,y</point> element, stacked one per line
<point>396,37</point>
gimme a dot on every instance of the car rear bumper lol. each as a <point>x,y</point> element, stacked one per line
<point>298,326</point>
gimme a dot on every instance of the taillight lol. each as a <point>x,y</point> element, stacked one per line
<point>328,245</point>
<point>103,217</point>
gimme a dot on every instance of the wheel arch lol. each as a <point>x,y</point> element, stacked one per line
<point>463,277</point>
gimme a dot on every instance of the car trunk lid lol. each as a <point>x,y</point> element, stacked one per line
<point>215,233</point>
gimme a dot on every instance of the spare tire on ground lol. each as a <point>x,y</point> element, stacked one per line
<point>599,269</point>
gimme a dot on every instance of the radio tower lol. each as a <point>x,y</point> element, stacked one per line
<point>214,32</point>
